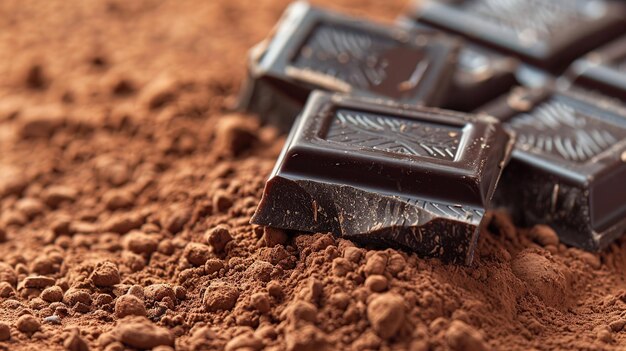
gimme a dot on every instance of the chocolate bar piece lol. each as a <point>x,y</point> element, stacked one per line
<point>549,34</point>
<point>387,174</point>
<point>315,49</point>
<point>481,74</point>
<point>603,70</point>
<point>569,164</point>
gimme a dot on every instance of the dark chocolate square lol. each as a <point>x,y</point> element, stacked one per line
<point>603,70</point>
<point>358,59</point>
<point>546,33</point>
<point>569,164</point>
<point>387,173</point>
<point>315,49</point>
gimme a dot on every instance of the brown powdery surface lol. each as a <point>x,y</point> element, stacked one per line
<point>126,187</point>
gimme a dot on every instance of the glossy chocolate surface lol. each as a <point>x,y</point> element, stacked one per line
<point>315,49</point>
<point>481,74</point>
<point>546,33</point>
<point>386,173</point>
<point>569,164</point>
<point>603,70</point>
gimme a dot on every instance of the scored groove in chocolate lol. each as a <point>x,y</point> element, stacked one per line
<point>602,70</point>
<point>395,135</point>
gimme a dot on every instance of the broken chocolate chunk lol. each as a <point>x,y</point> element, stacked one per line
<point>546,33</point>
<point>569,164</point>
<point>379,172</point>
<point>603,70</point>
<point>316,49</point>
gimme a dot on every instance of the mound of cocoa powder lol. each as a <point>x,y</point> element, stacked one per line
<point>126,187</point>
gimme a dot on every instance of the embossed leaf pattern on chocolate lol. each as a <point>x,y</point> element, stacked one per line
<point>395,135</point>
<point>540,19</point>
<point>415,212</point>
<point>452,211</point>
<point>347,54</point>
<point>558,129</point>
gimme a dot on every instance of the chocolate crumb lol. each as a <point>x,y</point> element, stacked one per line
<point>5,331</point>
<point>28,324</point>
<point>75,342</point>
<point>218,237</point>
<point>129,305</point>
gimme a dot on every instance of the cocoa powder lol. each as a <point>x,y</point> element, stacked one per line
<point>127,184</point>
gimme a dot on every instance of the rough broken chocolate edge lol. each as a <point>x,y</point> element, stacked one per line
<point>369,218</point>
<point>571,220</point>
